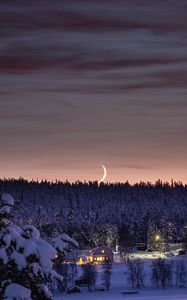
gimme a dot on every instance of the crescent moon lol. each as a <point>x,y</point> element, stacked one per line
<point>104,175</point>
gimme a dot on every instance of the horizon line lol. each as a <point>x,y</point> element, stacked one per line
<point>58,181</point>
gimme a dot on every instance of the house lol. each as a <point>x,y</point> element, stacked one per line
<point>97,255</point>
<point>81,256</point>
<point>102,254</point>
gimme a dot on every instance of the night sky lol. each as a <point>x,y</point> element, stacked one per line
<point>84,83</point>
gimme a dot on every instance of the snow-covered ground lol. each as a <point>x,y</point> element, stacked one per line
<point>144,295</point>
<point>119,288</point>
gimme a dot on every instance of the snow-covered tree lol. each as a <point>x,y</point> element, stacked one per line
<point>107,271</point>
<point>90,275</point>
<point>136,273</point>
<point>25,259</point>
<point>170,234</point>
<point>64,245</point>
<point>162,273</point>
<point>156,242</point>
<point>83,209</point>
<point>180,273</point>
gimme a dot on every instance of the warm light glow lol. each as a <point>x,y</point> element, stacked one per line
<point>157,237</point>
<point>89,258</point>
<point>81,261</point>
<point>100,258</point>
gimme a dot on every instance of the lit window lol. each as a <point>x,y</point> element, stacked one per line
<point>99,258</point>
<point>102,251</point>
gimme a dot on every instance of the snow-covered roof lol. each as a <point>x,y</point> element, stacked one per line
<point>101,248</point>
<point>68,239</point>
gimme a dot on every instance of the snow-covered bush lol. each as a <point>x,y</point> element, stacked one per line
<point>25,259</point>
<point>17,292</point>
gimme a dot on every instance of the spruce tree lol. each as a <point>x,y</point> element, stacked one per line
<point>25,259</point>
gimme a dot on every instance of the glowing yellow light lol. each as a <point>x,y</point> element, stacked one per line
<point>157,237</point>
<point>81,262</point>
<point>89,258</point>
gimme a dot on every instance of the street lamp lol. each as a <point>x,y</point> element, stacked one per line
<point>157,238</point>
<point>157,243</point>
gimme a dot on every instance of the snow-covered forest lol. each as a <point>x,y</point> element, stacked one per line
<point>33,268</point>
<point>106,214</point>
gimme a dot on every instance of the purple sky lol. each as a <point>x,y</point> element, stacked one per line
<point>85,83</point>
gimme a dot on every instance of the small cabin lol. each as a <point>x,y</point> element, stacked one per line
<point>102,254</point>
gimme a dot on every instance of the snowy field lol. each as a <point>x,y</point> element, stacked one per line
<point>144,295</point>
<point>119,288</point>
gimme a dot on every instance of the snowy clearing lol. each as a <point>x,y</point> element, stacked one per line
<point>119,287</point>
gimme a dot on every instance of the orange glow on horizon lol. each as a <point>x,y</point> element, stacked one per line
<point>120,177</point>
